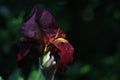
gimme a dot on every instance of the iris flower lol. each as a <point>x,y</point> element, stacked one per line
<point>41,30</point>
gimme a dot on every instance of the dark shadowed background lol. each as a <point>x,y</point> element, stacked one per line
<point>92,27</point>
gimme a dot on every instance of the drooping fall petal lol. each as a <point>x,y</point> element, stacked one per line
<point>23,49</point>
<point>66,53</point>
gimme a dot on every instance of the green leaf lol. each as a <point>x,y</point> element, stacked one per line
<point>1,78</point>
<point>36,75</point>
<point>20,78</point>
<point>85,69</point>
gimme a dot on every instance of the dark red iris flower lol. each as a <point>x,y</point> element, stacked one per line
<point>41,29</point>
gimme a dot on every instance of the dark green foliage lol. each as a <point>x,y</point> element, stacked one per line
<point>92,27</point>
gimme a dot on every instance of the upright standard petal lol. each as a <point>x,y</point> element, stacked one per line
<point>30,28</point>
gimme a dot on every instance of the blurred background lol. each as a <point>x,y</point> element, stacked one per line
<point>92,27</point>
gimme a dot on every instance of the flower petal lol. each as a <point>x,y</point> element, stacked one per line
<point>46,21</point>
<point>23,49</point>
<point>30,28</point>
<point>66,53</point>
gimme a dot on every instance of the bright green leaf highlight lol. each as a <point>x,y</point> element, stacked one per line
<point>1,78</point>
<point>85,69</point>
<point>36,75</point>
<point>20,78</point>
